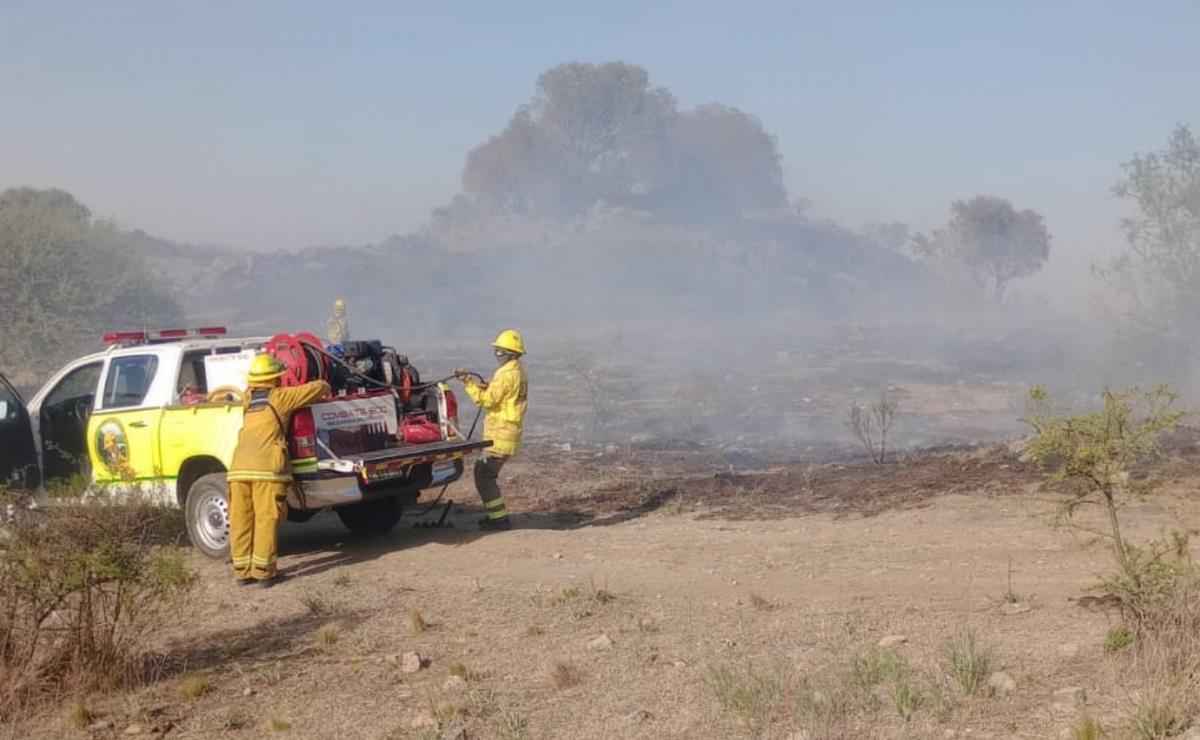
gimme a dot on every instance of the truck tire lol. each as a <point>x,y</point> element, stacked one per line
<point>371,517</point>
<point>206,511</point>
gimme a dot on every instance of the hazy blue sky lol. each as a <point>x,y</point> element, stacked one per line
<point>268,124</point>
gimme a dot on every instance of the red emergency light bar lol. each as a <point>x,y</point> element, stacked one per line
<point>141,337</point>
<point>124,337</point>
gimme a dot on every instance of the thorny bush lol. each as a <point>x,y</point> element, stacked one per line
<point>82,586</point>
<point>1096,451</point>
<point>1157,587</point>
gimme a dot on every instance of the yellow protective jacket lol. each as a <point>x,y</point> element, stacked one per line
<point>504,401</point>
<point>261,452</point>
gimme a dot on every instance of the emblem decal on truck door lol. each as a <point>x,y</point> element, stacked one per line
<point>112,448</point>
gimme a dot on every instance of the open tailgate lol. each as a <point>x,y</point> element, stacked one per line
<point>383,465</point>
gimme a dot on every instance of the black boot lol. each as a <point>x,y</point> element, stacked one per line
<point>495,525</point>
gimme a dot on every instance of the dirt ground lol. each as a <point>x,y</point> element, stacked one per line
<point>683,564</point>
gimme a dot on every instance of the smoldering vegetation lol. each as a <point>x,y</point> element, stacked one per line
<point>672,292</point>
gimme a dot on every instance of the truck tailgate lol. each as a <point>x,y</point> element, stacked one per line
<point>382,465</point>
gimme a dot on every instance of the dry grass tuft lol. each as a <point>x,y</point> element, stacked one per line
<point>565,674</point>
<point>535,630</point>
<point>759,603</point>
<point>465,673</point>
<point>194,687</point>
<point>327,636</point>
<point>969,662</point>
<point>78,716</point>
<point>511,725</point>
<point>750,696</point>
<point>275,724</point>
<point>315,603</point>
<point>1157,715</point>
<point>416,623</point>
<point>227,720</point>
<point>1086,728</point>
<point>342,579</point>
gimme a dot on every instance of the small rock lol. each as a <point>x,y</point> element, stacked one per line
<point>558,556</point>
<point>411,663</point>
<point>423,721</point>
<point>454,684</point>
<point>248,691</point>
<point>603,642</point>
<point>1193,733</point>
<point>1010,608</point>
<point>892,640</point>
<point>1002,683</point>
<point>1068,699</point>
<point>637,717</point>
<point>100,724</point>
<point>680,664</point>
<point>135,729</point>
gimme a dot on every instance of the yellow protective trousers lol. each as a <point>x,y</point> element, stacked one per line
<point>255,509</point>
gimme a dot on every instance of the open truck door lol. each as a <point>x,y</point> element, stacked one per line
<point>18,457</point>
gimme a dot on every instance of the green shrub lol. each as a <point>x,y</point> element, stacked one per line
<point>81,588</point>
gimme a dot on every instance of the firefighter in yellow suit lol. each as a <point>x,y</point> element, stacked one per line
<point>503,398</point>
<point>260,472</point>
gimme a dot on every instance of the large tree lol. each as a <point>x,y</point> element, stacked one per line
<point>1156,283</point>
<point>989,242</point>
<point>64,278</point>
<point>603,134</point>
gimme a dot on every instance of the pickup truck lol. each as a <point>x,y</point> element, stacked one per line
<point>160,413</point>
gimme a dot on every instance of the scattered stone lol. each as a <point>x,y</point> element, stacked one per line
<point>248,691</point>
<point>411,663</point>
<point>135,729</point>
<point>1068,699</point>
<point>637,717</point>
<point>1010,608</point>
<point>603,642</point>
<point>680,664</point>
<point>892,640</point>
<point>558,556</point>
<point>454,684</point>
<point>1002,683</point>
<point>100,724</point>
<point>423,721</point>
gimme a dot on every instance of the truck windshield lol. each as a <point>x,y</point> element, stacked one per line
<point>128,381</point>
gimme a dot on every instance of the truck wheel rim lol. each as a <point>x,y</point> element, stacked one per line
<point>213,522</point>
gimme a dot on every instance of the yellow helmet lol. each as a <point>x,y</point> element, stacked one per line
<point>339,305</point>
<point>264,368</point>
<point>510,341</point>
